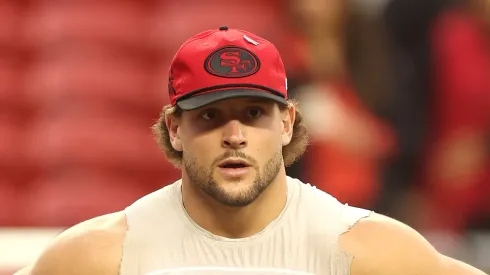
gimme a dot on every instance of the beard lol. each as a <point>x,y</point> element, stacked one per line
<point>202,177</point>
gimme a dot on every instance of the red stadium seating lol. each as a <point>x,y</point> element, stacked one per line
<point>95,75</point>
<point>120,23</point>
<point>12,129</point>
<point>11,19</point>
<point>9,201</point>
<point>72,196</point>
<point>76,137</point>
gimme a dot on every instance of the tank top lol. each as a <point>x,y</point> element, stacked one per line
<point>161,238</point>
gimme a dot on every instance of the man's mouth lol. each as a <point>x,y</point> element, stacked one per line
<point>233,164</point>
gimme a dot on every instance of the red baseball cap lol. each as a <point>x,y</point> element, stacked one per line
<point>226,63</point>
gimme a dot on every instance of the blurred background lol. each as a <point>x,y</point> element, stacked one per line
<point>397,93</point>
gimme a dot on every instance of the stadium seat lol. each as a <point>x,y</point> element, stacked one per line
<point>95,74</point>
<point>78,136</point>
<point>114,22</point>
<point>9,201</point>
<point>71,196</point>
<point>11,19</point>
<point>11,141</point>
<point>13,62</point>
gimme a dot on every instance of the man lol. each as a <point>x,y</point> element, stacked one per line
<point>231,130</point>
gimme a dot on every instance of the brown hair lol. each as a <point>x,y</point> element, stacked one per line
<point>291,152</point>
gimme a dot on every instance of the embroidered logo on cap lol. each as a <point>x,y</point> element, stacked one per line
<point>232,62</point>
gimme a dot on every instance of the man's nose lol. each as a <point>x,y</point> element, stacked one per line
<point>234,136</point>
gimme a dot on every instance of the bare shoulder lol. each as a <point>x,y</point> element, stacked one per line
<point>91,247</point>
<point>381,245</point>
<point>377,239</point>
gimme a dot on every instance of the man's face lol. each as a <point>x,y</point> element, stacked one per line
<point>232,149</point>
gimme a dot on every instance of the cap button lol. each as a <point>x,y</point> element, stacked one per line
<point>223,28</point>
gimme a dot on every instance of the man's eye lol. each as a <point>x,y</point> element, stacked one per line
<point>209,114</point>
<point>254,112</point>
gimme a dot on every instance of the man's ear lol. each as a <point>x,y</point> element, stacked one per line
<point>288,117</point>
<point>173,126</point>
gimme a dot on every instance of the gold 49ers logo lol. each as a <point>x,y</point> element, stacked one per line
<point>232,62</point>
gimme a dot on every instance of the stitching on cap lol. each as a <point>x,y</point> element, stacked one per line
<point>192,40</point>
<point>182,47</point>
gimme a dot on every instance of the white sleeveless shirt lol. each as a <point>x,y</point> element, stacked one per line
<point>162,238</point>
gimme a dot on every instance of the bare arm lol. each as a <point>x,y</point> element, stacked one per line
<point>383,246</point>
<point>90,248</point>
<point>458,267</point>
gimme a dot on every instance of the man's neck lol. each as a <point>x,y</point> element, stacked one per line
<point>235,222</point>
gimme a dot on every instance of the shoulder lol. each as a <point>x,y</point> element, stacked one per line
<point>320,200</point>
<point>381,245</point>
<point>310,193</point>
<point>324,211</point>
<point>91,247</point>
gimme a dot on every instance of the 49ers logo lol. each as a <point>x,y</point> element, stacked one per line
<point>232,62</point>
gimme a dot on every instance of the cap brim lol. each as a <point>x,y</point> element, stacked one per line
<point>201,100</point>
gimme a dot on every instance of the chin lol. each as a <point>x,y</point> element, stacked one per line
<point>236,197</point>
<point>234,185</point>
<point>236,192</point>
